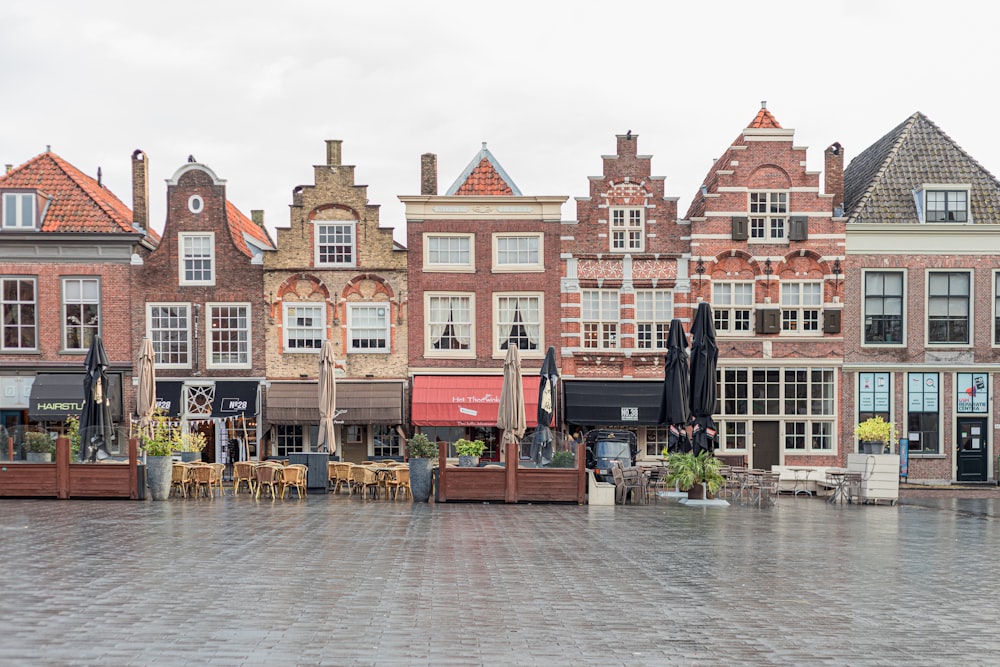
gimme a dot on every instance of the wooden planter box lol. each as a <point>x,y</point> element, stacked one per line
<point>511,483</point>
<point>65,480</point>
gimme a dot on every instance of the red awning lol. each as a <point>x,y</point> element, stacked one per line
<point>466,400</point>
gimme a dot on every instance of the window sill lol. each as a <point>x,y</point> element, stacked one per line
<point>927,456</point>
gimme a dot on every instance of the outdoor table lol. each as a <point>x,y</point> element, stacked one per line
<point>799,484</point>
<point>839,478</point>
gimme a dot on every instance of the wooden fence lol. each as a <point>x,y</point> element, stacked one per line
<point>64,479</point>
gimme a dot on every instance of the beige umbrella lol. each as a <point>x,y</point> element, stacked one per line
<point>145,394</point>
<point>510,415</point>
<point>327,398</point>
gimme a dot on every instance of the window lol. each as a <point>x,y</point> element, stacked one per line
<point>948,307</point>
<point>922,425</point>
<point>800,306</point>
<point>518,319</point>
<point>653,312</point>
<point>81,312</point>
<point>626,229</point>
<point>947,206</point>
<point>169,327</point>
<point>18,312</point>
<point>19,210</point>
<point>335,244</point>
<point>600,316</point>
<point>883,307</point>
<point>448,252</point>
<point>449,324</point>
<point>517,252</point>
<point>229,335</point>
<point>368,327</point>
<point>305,326</point>
<point>768,215</point>
<point>656,440</point>
<point>996,308</point>
<point>197,265</point>
<point>733,307</point>
<point>386,440</point>
<point>288,439</point>
<point>733,434</point>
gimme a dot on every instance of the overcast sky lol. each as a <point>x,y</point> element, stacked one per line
<point>252,88</point>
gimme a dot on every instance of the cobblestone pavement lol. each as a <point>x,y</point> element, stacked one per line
<point>332,580</point>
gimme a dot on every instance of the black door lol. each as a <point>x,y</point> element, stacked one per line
<point>972,454</point>
<point>765,445</point>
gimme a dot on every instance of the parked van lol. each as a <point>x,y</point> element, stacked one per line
<point>605,446</point>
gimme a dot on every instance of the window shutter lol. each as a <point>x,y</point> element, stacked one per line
<point>799,230</point>
<point>768,320</point>
<point>831,320</point>
<point>741,229</point>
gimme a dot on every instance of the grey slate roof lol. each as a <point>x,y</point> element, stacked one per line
<point>879,183</point>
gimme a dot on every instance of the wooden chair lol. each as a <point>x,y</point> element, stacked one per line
<point>218,469</point>
<point>400,482</point>
<point>244,472</point>
<point>269,477</point>
<point>331,475</point>
<point>201,478</point>
<point>294,476</point>
<point>344,478</point>
<point>365,479</point>
<point>179,478</point>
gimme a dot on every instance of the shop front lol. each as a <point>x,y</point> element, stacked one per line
<point>632,405</point>
<point>54,397</point>
<point>225,411</point>
<point>449,407</point>
<point>367,418</point>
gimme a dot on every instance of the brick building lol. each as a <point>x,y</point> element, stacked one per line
<point>198,297</point>
<point>482,276</point>
<point>767,249</point>
<point>923,247</point>
<point>624,277</point>
<point>66,247</point>
<point>337,275</point>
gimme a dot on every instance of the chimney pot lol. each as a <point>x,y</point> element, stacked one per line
<point>833,176</point>
<point>258,217</point>
<point>428,174</point>
<point>140,189</point>
<point>8,168</point>
<point>333,150</point>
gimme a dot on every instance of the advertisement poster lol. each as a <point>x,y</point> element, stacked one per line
<point>972,392</point>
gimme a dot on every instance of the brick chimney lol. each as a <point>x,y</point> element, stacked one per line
<point>627,144</point>
<point>428,174</point>
<point>258,217</point>
<point>140,189</point>
<point>333,148</point>
<point>833,179</point>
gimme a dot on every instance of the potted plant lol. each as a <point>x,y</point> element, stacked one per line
<point>421,453</point>
<point>564,459</point>
<point>876,435</point>
<point>162,439</point>
<point>38,447</point>
<point>695,474</point>
<point>469,452</point>
<point>191,446</point>
<point>73,433</point>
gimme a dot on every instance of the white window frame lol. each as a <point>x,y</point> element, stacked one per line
<point>970,317</point>
<point>929,190</point>
<point>764,220</point>
<point>793,294</point>
<point>627,228</point>
<point>603,316</point>
<point>384,328</point>
<point>656,315</point>
<point>184,256</point>
<point>318,231</point>
<point>186,306</point>
<point>864,306</point>
<point>429,325</point>
<point>725,304</point>
<point>500,336</point>
<point>460,267</point>
<point>82,302</point>
<point>500,266</point>
<point>25,213</point>
<point>996,308</point>
<point>18,304</point>
<point>245,333</point>
<point>288,329</point>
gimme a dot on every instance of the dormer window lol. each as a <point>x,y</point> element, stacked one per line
<point>942,203</point>
<point>19,210</point>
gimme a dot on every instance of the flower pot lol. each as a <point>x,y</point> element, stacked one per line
<point>872,447</point>
<point>420,479</point>
<point>38,457</point>
<point>190,457</point>
<point>696,492</point>
<point>468,461</point>
<point>158,471</point>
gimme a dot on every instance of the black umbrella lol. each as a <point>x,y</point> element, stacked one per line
<point>704,356</point>
<point>96,427</point>
<point>675,410</point>
<point>541,443</point>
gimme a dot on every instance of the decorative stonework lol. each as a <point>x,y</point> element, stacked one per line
<point>597,268</point>
<point>655,268</point>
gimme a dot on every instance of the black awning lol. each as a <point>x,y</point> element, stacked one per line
<point>168,397</point>
<point>235,398</point>
<point>625,402</point>
<point>55,396</point>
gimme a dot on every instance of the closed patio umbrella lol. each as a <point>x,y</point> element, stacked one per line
<point>145,393</point>
<point>541,443</point>
<point>96,427</point>
<point>675,410</point>
<point>510,415</point>
<point>327,398</point>
<point>704,356</point>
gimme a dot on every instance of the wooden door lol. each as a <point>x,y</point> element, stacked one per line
<point>766,450</point>
<point>972,450</point>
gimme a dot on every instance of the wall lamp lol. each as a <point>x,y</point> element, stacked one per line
<point>699,268</point>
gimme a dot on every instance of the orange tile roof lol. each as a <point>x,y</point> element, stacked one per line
<point>764,119</point>
<point>239,225</point>
<point>77,202</point>
<point>484,180</point>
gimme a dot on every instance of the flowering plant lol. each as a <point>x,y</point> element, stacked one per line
<point>876,429</point>
<point>465,447</point>
<point>163,437</point>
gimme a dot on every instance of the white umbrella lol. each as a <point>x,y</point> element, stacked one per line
<point>327,398</point>
<point>145,393</point>
<point>510,415</point>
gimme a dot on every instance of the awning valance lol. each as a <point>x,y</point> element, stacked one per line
<point>362,402</point>
<point>600,402</point>
<point>466,400</point>
<point>55,396</point>
<point>235,398</point>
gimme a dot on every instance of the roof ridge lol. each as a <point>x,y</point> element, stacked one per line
<point>903,129</point>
